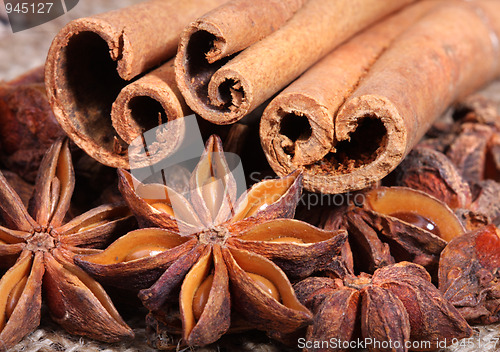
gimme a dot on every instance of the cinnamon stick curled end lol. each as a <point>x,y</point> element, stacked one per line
<point>212,82</point>
<point>92,71</point>
<point>84,82</point>
<point>348,132</point>
<point>357,155</point>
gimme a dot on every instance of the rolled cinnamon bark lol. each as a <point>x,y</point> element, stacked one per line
<point>379,117</point>
<point>145,104</point>
<point>93,58</point>
<point>222,87</point>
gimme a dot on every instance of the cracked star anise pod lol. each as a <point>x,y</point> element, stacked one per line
<point>220,257</point>
<point>469,274</point>
<point>396,224</point>
<point>475,150</point>
<point>28,126</point>
<point>472,141</point>
<point>39,247</point>
<point>433,172</point>
<point>398,307</point>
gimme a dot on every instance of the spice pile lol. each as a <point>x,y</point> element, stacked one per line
<point>185,258</point>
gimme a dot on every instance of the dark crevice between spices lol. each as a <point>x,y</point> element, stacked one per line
<point>90,84</point>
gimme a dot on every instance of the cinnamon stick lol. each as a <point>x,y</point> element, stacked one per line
<point>349,132</point>
<point>146,103</point>
<point>92,59</point>
<point>222,85</point>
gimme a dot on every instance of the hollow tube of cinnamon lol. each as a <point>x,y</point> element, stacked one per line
<point>91,59</point>
<point>224,90</point>
<point>147,103</point>
<point>434,62</point>
<point>297,127</point>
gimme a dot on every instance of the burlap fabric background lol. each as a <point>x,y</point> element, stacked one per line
<point>27,49</point>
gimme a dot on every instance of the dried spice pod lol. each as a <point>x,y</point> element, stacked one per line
<point>469,275</point>
<point>381,309</point>
<point>469,150</point>
<point>335,308</point>
<point>476,108</point>
<point>397,306</point>
<point>45,246</point>
<point>116,47</point>
<point>23,189</point>
<point>486,201</point>
<point>434,173</point>
<point>473,141</point>
<point>28,126</point>
<point>218,254</point>
<point>431,316</point>
<point>492,170</point>
<point>398,224</point>
<point>472,220</point>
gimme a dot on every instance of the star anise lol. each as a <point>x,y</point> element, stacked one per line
<point>469,275</point>
<point>228,257</point>
<point>464,171</point>
<point>433,172</point>
<point>396,309</point>
<point>40,248</point>
<point>396,224</point>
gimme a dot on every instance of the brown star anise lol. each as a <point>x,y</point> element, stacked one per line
<point>396,224</point>
<point>469,274</point>
<point>396,309</point>
<point>40,248</point>
<point>433,172</point>
<point>226,256</point>
<point>459,162</point>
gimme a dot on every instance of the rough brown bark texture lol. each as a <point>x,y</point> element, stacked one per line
<point>223,89</point>
<point>93,58</point>
<point>351,131</point>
